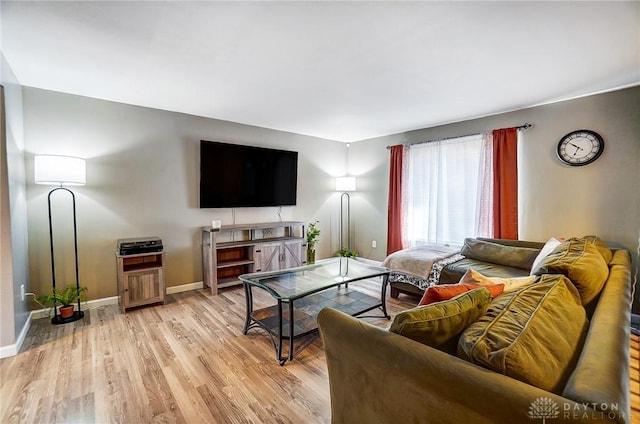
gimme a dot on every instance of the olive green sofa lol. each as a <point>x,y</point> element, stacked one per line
<point>377,376</point>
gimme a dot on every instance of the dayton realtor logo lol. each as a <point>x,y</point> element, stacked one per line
<point>545,408</point>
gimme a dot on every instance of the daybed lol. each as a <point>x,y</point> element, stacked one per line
<point>416,268</point>
<point>555,360</point>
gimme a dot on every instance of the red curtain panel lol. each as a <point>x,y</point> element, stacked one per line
<point>505,187</point>
<point>394,209</point>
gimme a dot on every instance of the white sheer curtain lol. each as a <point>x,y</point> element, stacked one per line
<point>484,221</point>
<point>449,190</point>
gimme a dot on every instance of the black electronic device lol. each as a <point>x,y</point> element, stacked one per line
<point>233,175</point>
<point>134,246</point>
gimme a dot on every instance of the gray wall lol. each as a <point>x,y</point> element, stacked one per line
<point>15,271</point>
<point>555,200</point>
<point>142,180</point>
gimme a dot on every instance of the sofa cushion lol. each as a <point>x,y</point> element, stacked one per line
<point>475,278</point>
<point>447,291</point>
<point>580,261</point>
<point>452,273</point>
<point>602,247</point>
<point>533,334</point>
<point>517,257</point>
<point>439,324</point>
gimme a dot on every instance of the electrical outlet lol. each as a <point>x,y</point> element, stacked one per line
<point>22,292</point>
<point>374,244</point>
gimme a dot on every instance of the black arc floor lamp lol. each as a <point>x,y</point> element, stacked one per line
<point>345,185</point>
<point>61,170</point>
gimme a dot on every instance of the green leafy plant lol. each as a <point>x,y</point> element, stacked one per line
<point>347,253</point>
<point>68,296</point>
<point>313,234</point>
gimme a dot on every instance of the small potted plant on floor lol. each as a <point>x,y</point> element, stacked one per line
<point>344,264</point>
<point>347,253</point>
<point>66,298</point>
<point>313,234</point>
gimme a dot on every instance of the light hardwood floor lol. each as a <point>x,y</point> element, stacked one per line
<point>183,362</point>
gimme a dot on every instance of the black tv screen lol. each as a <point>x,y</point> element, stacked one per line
<point>233,175</point>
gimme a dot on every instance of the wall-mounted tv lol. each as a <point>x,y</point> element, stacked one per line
<point>233,175</point>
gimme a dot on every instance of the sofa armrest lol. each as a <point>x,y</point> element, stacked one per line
<point>381,377</point>
<point>601,375</point>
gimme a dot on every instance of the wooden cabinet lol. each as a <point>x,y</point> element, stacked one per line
<point>233,250</point>
<point>279,255</point>
<point>266,257</point>
<point>140,279</point>
<point>294,254</point>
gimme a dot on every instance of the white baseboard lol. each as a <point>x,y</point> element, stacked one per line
<point>23,334</point>
<point>13,349</point>
<point>92,304</point>
<point>369,261</point>
<point>9,350</point>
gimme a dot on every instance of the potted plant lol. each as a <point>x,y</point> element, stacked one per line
<point>344,264</point>
<point>313,234</point>
<point>66,298</point>
<point>347,253</point>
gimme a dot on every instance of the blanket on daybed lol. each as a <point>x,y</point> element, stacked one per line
<point>420,265</point>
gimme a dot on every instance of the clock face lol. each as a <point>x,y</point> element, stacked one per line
<point>580,147</point>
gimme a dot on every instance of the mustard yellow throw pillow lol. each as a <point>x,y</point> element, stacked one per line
<point>533,334</point>
<point>580,261</point>
<point>602,247</point>
<point>473,277</point>
<point>440,323</point>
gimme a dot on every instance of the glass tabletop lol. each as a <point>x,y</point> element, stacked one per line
<point>299,282</point>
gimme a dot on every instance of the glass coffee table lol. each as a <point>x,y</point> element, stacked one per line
<point>302,292</point>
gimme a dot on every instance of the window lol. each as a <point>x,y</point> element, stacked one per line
<point>449,190</point>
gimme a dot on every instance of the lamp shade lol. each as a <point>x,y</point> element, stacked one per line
<point>346,184</point>
<point>54,170</point>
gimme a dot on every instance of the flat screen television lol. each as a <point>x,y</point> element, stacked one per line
<point>233,175</point>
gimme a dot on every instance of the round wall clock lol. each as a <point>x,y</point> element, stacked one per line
<point>580,147</point>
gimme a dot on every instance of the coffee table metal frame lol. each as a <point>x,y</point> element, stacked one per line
<point>271,319</point>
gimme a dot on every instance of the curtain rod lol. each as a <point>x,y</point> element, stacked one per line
<point>520,127</point>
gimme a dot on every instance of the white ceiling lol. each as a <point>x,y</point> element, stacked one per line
<point>344,71</point>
